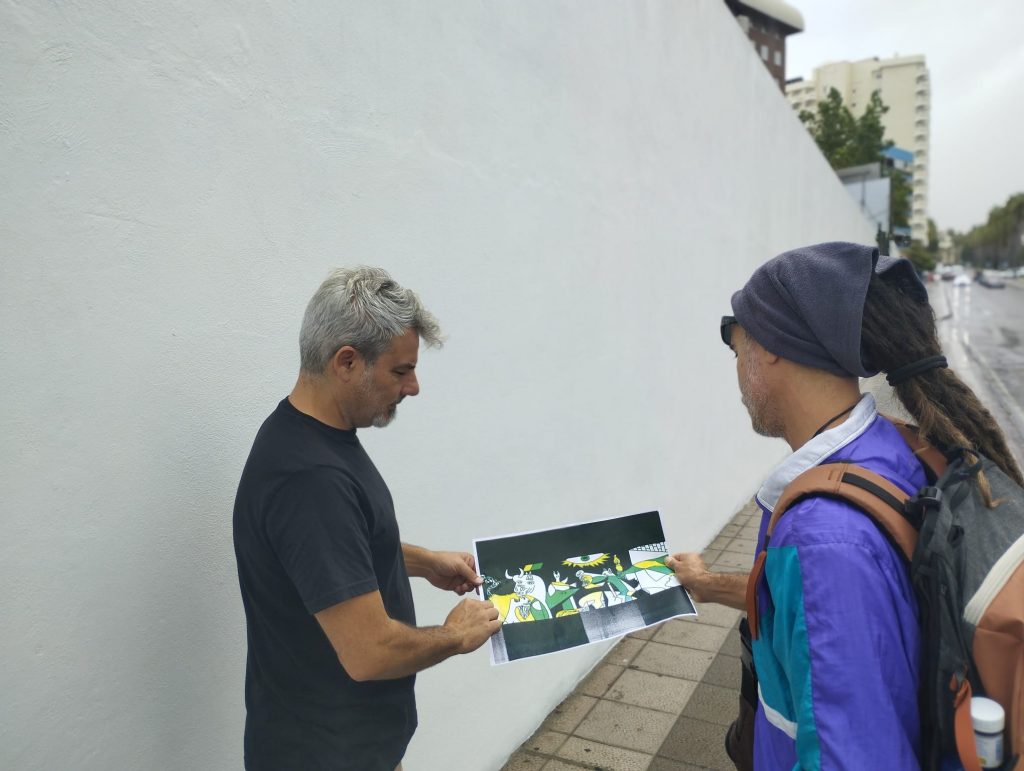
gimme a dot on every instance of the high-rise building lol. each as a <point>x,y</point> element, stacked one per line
<point>903,84</point>
<point>768,23</point>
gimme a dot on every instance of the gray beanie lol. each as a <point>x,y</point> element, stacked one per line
<point>807,305</point>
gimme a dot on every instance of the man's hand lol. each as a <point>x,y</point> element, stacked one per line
<point>704,585</point>
<point>473,622</point>
<point>691,571</point>
<point>453,571</point>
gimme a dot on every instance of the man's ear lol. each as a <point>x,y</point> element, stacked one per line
<point>345,362</point>
<point>769,357</point>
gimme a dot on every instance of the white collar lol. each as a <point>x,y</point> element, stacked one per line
<point>816,450</point>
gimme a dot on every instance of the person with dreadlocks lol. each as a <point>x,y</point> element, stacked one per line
<point>836,659</point>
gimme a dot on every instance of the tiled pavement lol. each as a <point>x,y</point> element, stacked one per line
<point>663,697</point>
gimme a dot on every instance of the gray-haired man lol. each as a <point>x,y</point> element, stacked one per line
<point>333,641</point>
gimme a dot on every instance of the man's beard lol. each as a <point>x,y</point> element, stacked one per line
<point>383,417</point>
<point>763,419</point>
<point>386,417</point>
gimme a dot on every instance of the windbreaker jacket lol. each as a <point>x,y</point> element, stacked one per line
<point>837,659</point>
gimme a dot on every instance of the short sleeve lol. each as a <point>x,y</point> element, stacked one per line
<point>322,538</point>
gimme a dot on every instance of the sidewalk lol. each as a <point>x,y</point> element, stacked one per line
<point>663,697</point>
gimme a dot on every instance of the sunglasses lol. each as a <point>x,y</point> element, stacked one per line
<point>728,322</point>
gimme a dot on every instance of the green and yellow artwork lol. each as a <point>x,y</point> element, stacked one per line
<point>578,584</point>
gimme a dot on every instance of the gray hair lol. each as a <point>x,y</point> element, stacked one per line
<point>365,308</point>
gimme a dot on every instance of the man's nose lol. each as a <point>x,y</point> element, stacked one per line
<point>412,385</point>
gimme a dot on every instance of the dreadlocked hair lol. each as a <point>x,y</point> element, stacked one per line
<point>898,329</point>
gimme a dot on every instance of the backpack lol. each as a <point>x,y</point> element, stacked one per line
<point>966,565</point>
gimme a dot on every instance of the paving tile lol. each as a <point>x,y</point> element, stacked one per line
<point>646,633</point>
<point>731,530</point>
<point>632,727</point>
<point>653,691</point>
<point>716,615</point>
<point>751,508</point>
<point>597,682</point>
<point>623,653</point>
<point>703,637</point>
<point>603,756</point>
<point>749,531</point>
<point>743,545</point>
<point>567,715</point>
<point>523,761</point>
<point>545,742</point>
<point>732,645</point>
<point>697,742</point>
<point>710,555</point>
<point>664,659</point>
<point>713,704</point>
<point>720,542</point>
<point>665,764</point>
<point>561,765</point>
<point>724,671</point>
<point>733,560</point>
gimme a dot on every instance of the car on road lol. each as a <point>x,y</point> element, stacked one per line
<point>991,282</point>
<point>961,280</point>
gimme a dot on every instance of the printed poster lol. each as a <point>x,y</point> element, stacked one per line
<point>574,585</point>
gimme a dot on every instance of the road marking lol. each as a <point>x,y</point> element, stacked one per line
<point>1011,403</point>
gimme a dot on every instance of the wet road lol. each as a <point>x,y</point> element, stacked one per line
<point>982,334</point>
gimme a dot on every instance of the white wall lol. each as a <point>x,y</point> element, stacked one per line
<point>575,189</point>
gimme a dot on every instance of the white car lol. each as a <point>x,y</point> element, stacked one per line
<point>962,280</point>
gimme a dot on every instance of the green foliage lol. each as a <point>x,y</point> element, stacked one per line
<point>899,198</point>
<point>919,255</point>
<point>869,140</point>
<point>998,241</point>
<point>844,140</point>
<point>847,141</point>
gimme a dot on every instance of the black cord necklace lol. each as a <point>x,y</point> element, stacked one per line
<point>834,418</point>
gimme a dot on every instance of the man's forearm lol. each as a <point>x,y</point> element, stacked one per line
<point>406,650</point>
<point>725,589</point>
<point>418,560</point>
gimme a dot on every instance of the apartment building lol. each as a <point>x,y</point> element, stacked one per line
<point>903,83</point>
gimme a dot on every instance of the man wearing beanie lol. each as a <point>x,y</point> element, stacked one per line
<point>837,656</point>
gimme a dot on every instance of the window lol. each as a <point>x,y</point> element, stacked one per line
<point>764,52</point>
<point>778,58</point>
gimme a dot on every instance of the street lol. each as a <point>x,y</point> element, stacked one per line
<point>981,331</point>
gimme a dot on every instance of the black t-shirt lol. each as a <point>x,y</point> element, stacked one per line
<point>314,525</point>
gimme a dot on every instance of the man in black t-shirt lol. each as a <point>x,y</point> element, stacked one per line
<point>332,636</point>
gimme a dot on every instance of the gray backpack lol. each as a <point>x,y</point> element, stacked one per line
<point>966,564</point>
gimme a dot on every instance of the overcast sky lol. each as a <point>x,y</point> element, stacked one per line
<point>975,55</point>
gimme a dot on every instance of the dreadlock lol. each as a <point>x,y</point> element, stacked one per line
<point>898,329</point>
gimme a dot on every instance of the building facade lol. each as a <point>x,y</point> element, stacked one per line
<point>904,85</point>
<point>768,23</point>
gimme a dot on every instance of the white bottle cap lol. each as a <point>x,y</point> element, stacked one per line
<point>987,716</point>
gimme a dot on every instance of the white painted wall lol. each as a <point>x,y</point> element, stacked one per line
<point>575,189</point>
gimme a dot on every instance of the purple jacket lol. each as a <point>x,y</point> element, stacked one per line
<point>837,659</point>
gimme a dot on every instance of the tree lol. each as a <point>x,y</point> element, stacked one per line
<point>933,237</point>
<point>844,140</point>
<point>869,142</point>
<point>847,141</point>
<point>998,241</point>
<point>899,198</point>
<point>919,255</point>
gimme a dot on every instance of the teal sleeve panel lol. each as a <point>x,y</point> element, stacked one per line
<point>784,663</point>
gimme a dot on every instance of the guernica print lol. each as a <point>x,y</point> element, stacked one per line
<point>569,586</point>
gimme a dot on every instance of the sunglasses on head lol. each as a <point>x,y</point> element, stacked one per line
<point>728,322</point>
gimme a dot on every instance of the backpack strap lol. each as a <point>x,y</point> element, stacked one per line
<point>928,455</point>
<point>872,493</point>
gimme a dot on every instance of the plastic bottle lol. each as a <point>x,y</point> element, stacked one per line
<point>989,720</point>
